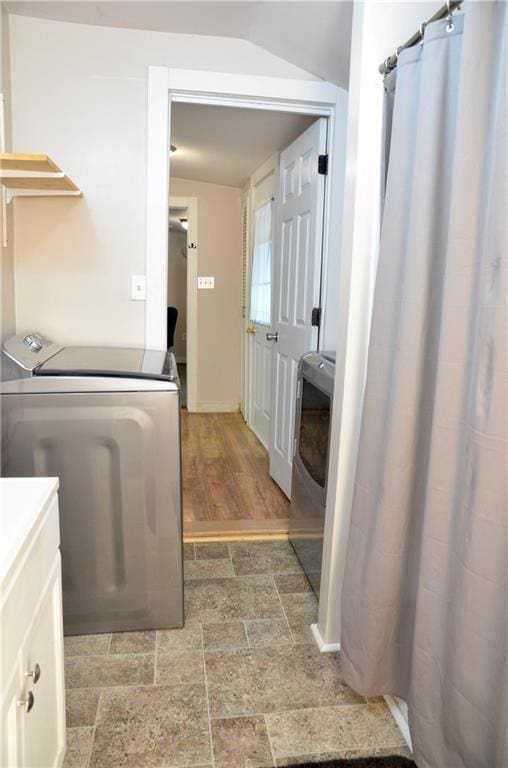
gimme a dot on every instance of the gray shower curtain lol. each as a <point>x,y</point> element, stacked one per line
<point>425,599</point>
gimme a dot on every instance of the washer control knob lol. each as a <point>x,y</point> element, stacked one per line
<point>34,673</point>
<point>28,702</point>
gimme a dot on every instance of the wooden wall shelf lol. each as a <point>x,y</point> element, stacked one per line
<point>34,176</point>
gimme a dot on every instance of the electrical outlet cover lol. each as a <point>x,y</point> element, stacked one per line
<point>206,282</point>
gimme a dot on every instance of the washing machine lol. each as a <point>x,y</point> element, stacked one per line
<point>106,422</point>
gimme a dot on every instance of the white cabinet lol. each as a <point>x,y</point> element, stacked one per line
<point>31,661</point>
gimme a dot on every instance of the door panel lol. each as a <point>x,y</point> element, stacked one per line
<point>261,383</point>
<point>11,722</point>
<point>283,308</point>
<point>267,386</point>
<point>296,285</point>
<point>279,441</point>
<point>303,256</point>
<point>43,745</point>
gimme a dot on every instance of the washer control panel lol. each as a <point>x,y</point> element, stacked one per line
<point>30,350</point>
<point>34,342</point>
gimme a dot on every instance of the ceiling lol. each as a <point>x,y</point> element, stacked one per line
<point>224,145</point>
<point>315,36</point>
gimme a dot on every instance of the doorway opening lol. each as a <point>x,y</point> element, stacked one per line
<point>254,175</point>
<point>181,336</point>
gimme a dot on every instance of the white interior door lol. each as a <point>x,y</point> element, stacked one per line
<point>296,285</point>
<point>260,308</point>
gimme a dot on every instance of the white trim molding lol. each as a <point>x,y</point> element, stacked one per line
<point>157,205</point>
<point>323,647</point>
<point>398,709</point>
<point>254,91</point>
<point>217,407</point>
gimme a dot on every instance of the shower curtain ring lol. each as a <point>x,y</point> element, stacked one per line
<point>450,25</point>
<point>422,31</point>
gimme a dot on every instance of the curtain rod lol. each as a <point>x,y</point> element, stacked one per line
<point>446,10</point>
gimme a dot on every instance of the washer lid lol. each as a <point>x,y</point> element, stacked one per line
<point>111,362</point>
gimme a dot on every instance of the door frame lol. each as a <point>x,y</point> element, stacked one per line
<point>167,85</point>
<point>191,330</point>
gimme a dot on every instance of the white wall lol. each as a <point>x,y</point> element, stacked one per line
<point>7,253</point>
<point>219,310</point>
<point>331,275</point>
<point>177,289</point>
<point>79,94</point>
<point>379,26</point>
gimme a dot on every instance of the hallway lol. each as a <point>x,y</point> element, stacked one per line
<point>226,482</point>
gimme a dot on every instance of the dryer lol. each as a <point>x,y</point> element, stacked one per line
<point>313,413</point>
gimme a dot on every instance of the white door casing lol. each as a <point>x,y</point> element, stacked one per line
<point>296,284</point>
<point>167,85</point>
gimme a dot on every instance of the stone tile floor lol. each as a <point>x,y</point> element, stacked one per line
<point>241,686</point>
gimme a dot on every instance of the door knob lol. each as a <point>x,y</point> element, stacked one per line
<point>272,336</point>
<point>251,330</point>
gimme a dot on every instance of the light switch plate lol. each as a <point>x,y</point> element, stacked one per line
<point>138,287</point>
<point>206,282</point>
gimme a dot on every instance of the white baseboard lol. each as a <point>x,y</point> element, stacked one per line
<point>213,407</point>
<point>398,708</point>
<point>323,647</point>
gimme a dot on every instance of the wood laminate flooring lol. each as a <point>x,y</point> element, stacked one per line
<point>225,476</point>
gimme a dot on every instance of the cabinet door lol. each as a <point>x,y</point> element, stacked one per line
<point>43,728</point>
<point>11,716</point>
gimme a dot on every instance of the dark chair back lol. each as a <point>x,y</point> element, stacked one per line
<point>172,318</point>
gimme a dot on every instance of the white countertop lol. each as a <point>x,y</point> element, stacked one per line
<point>23,501</point>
